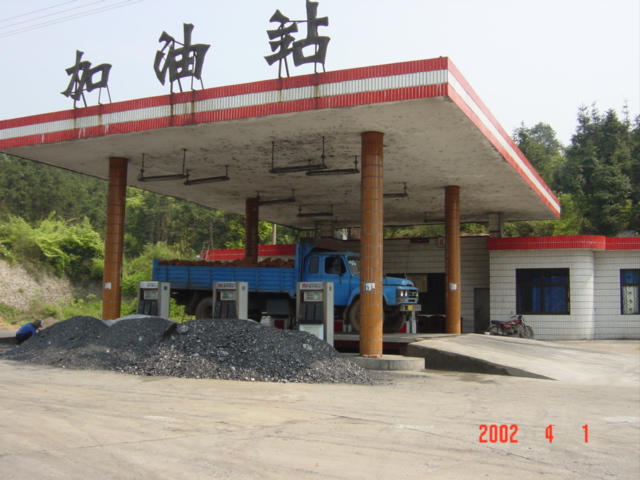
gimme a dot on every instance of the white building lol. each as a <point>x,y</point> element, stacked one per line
<point>567,288</point>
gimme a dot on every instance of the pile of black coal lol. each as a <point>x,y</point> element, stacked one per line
<point>220,349</point>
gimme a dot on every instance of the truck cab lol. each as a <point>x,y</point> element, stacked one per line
<point>340,268</point>
<point>343,269</point>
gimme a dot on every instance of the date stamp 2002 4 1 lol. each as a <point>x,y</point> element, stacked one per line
<point>508,433</point>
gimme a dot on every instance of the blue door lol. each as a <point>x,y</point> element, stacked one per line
<point>330,268</point>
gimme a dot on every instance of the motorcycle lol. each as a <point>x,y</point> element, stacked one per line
<point>513,327</point>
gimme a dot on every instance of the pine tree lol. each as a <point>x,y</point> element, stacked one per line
<point>597,172</point>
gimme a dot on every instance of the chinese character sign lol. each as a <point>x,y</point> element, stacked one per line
<point>82,78</point>
<point>186,60</point>
<point>281,40</point>
<point>313,39</point>
<point>283,43</point>
<point>181,60</point>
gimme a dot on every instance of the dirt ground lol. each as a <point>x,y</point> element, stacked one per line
<point>58,423</point>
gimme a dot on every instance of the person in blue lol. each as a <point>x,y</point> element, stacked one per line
<point>27,331</point>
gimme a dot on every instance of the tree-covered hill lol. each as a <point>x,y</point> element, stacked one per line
<point>596,177</point>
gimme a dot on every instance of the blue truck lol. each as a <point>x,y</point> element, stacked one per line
<point>272,290</point>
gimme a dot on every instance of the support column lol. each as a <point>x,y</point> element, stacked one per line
<point>114,240</point>
<point>496,225</point>
<point>252,240</point>
<point>371,241</point>
<point>452,258</point>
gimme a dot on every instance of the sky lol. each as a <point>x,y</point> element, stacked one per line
<point>530,61</point>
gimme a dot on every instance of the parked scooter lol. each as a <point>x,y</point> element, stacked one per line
<point>514,327</point>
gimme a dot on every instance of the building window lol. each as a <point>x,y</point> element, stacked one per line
<point>630,291</point>
<point>542,291</point>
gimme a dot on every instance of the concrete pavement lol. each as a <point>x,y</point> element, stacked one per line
<point>567,361</point>
<point>64,424</point>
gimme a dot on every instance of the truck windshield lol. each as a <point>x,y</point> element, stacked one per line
<point>354,265</point>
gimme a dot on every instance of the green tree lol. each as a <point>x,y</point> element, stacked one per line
<point>417,231</point>
<point>598,172</point>
<point>70,248</point>
<point>235,236</point>
<point>16,238</point>
<point>546,154</point>
<point>285,235</point>
<point>147,219</point>
<point>185,226</point>
<point>542,148</point>
<point>34,191</point>
<point>138,269</point>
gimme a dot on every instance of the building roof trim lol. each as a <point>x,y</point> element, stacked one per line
<point>580,242</point>
<point>416,80</point>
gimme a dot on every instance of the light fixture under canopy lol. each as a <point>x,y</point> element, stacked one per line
<point>398,195</point>
<point>200,181</point>
<point>315,214</point>
<point>290,199</point>
<point>338,171</point>
<point>296,168</point>
<point>161,178</point>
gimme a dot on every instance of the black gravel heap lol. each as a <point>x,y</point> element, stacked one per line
<point>220,348</point>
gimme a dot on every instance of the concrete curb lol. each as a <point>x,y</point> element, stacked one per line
<point>388,362</point>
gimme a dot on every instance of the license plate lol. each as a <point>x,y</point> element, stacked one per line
<point>410,308</point>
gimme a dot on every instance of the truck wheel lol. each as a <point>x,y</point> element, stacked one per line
<point>204,308</point>
<point>393,321</point>
<point>354,315</point>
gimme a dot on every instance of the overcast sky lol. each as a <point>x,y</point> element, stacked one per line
<point>529,60</point>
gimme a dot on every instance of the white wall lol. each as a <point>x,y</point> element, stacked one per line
<point>579,324</point>
<point>609,321</point>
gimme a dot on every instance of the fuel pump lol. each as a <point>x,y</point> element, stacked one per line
<point>230,300</point>
<point>153,299</point>
<point>315,309</point>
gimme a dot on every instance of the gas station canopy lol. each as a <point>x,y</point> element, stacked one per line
<point>437,133</point>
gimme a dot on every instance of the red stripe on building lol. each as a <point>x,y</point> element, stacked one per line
<point>623,243</point>
<point>235,90</point>
<point>584,242</point>
<point>212,116</point>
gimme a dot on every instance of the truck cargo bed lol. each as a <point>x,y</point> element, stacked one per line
<point>262,279</point>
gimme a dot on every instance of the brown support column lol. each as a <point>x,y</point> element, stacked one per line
<point>452,258</point>
<point>114,241</point>
<point>371,311</point>
<point>252,210</point>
